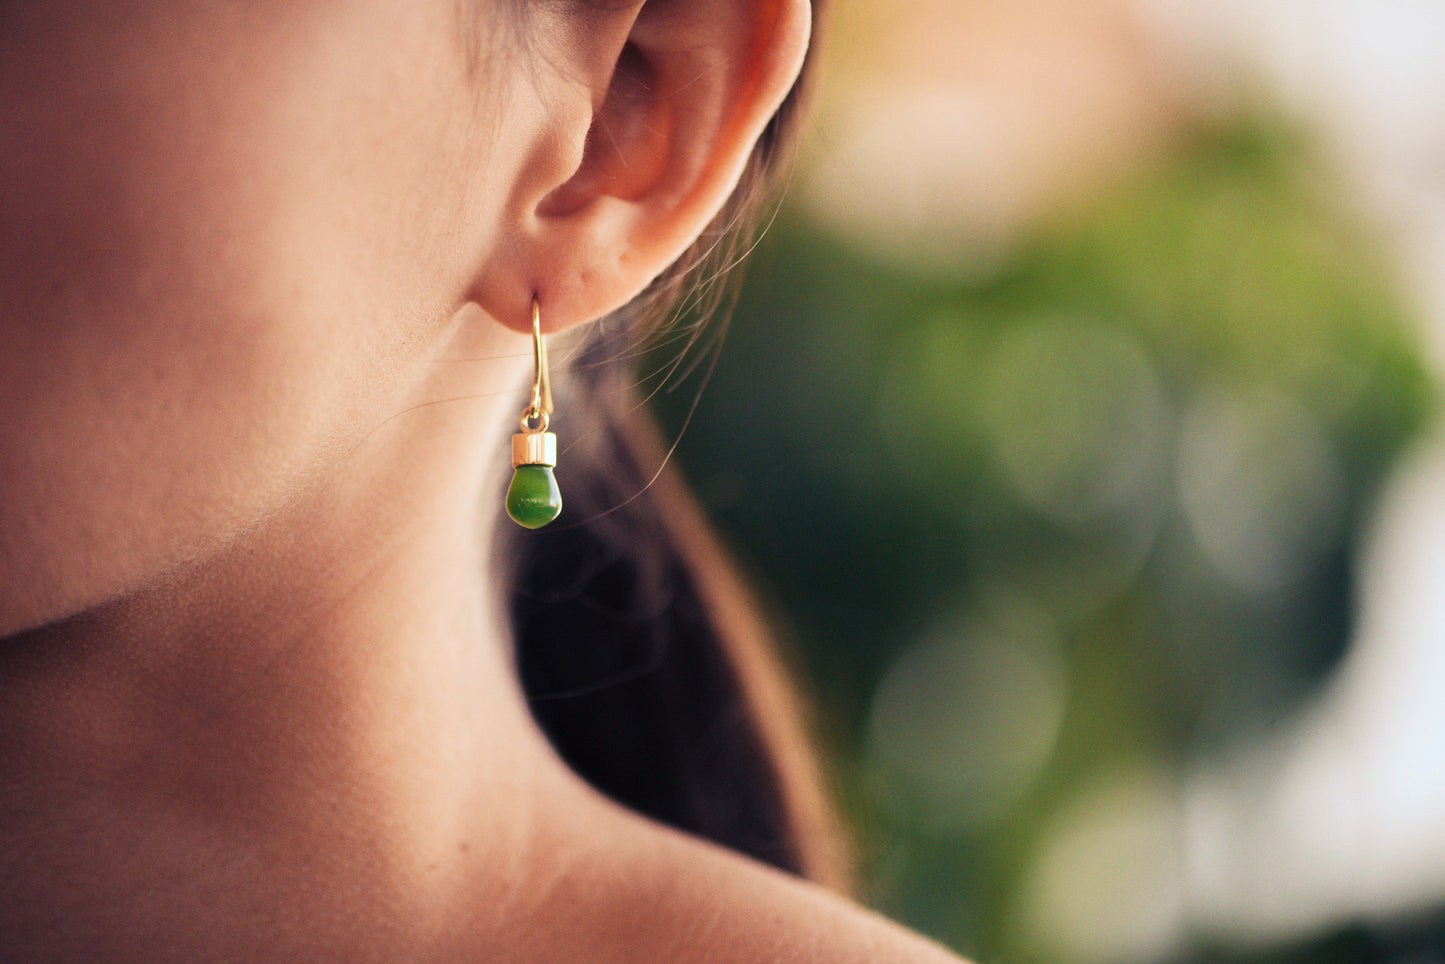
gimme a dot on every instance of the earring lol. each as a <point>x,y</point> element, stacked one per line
<point>533,499</point>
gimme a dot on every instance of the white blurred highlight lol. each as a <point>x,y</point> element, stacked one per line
<point>967,716</point>
<point>1261,486</point>
<point>1106,885</point>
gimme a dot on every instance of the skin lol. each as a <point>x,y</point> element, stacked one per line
<point>265,278</point>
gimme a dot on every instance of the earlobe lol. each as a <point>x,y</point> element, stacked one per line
<point>669,130</point>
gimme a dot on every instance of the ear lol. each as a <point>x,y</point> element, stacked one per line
<point>655,114</point>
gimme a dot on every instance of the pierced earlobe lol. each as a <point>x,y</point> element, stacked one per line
<point>533,498</point>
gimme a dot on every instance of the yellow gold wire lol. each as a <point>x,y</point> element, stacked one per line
<point>537,414</point>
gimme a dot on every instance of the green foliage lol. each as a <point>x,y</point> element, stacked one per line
<point>1140,450</point>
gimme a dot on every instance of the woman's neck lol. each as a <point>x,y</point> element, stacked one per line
<point>311,745</point>
<point>317,719</point>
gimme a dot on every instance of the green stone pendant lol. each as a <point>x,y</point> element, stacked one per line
<point>533,499</point>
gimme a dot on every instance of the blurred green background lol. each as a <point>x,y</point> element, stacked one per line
<point>1062,509</point>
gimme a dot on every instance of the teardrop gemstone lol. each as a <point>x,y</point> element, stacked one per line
<point>533,499</point>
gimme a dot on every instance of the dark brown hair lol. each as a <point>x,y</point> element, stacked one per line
<point>642,653</point>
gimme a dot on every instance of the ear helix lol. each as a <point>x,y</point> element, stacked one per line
<point>533,499</point>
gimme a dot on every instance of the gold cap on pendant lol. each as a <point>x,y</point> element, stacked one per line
<point>534,448</point>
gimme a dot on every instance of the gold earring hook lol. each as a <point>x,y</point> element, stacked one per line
<point>533,498</point>
<point>535,418</point>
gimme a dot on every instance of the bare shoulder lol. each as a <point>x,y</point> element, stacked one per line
<point>740,911</point>
<point>635,892</point>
